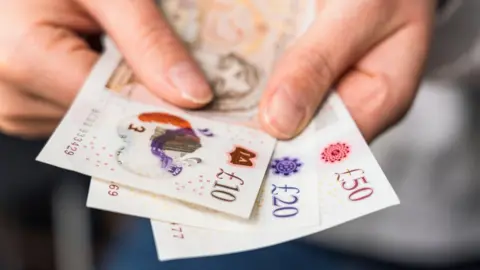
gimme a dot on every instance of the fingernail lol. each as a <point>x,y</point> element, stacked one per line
<point>284,113</point>
<point>190,82</point>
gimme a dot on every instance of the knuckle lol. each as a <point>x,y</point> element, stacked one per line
<point>315,68</point>
<point>394,97</point>
<point>380,101</point>
<point>8,62</point>
<point>402,101</point>
<point>377,4</point>
<point>58,36</point>
<point>11,128</point>
<point>8,107</point>
<point>11,112</point>
<point>381,85</point>
<point>24,130</point>
<point>6,111</point>
<point>309,74</point>
<point>156,40</point>
<point>317,64</point>
<point>16,54</point>
<point>389,101</point>
<point>154,36</point>
<point>150,38</point>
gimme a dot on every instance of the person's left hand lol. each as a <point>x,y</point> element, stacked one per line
<point>373,50</point>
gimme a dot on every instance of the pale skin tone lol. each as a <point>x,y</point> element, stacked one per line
<point>372,51</point>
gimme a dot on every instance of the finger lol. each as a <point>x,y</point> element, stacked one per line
<point>309,68</point>
<point>29,128</point>
<point>381,87</point>
<point>152,49</point>
<point>15,104</point>
<point>51,63</point>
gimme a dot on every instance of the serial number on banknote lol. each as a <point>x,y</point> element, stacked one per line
<point>82,132</point>
<point>177,231</point>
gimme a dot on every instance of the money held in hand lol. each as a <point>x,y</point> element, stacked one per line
<point>209,176</point>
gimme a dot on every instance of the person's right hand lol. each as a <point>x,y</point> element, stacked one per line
<point>44,60</point>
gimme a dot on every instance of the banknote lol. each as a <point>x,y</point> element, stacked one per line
<point>160,150</point>
<point>288,198</point>
<point>237,66</point>
<point>350,185</point>
<point>236,43</point>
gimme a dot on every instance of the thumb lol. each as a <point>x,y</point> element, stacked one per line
<point>308,69</point>
<point>157,57</point>
<point>300,81</point>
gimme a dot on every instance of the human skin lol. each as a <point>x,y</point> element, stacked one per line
<point>371,51</point>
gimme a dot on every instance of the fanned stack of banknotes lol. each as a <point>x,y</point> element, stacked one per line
<point>211,182</point>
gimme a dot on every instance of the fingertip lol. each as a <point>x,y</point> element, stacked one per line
<point>154,51</point>
<point>269,126</point>
<point>190,83</point>
<point>366,97</point>
<point>178,81</point>
<point>274,122</point>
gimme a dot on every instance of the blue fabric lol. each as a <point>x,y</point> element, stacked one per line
<point>135,249</point>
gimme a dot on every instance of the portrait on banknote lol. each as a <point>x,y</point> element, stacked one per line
<point>235,44</point>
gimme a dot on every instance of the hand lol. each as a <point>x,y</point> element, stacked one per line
<point>372,50</point>
<point>44,60</point>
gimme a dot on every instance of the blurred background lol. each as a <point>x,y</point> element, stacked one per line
<point>431,158</point>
